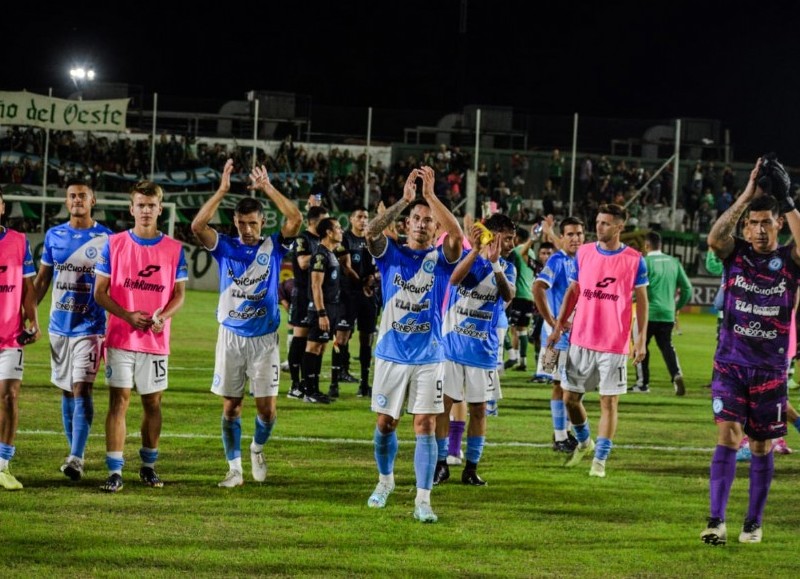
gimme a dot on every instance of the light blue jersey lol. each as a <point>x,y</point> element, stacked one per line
<point>473,311</point>
<point>556,275</point>
<point>413,284</point>
<point>72,254</point>
<point>248,284</point>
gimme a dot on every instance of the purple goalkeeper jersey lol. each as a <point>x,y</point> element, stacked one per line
<point>759,296</point>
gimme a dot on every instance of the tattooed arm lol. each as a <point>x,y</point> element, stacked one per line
<point>376,239</point>
<point>720,238</point>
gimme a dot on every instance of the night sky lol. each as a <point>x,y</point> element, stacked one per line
<point>652,60</point>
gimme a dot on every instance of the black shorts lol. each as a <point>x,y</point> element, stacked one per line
<point>317,335</point>
<point>298,312</point>
<point>358,311</point>
<point>520,312</point>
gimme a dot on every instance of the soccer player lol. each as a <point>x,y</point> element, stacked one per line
<point>409,352</point>
<point>607,275</point>
<point>324,307</point>
<point>77,322</point>
<point>548,294</point>
<point>521,311</point>
<point>19,324</point>
<point>748,387</point>
<point>482,284</point>
<point>360,309</point>
<point>665,275</point>
<point>248,314</point>
<point>302,250</point>
<point>141,276</point>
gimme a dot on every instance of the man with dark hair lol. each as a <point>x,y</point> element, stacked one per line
<point>480,287</point>
<point>606,277</point>
<point>549,290</point>
<point>409,351</point>
<point>19,325</point>
<point>521,310</point>
<point>77,322</point>
<point>304,246</point>
<point>748,388</point>
<point>666,275</point>
<point>248,315</point>
<point>323,309</point>
<point>360,309</point>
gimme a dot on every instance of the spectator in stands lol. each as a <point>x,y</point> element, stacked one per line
<point>519,169</point>
<point>586,176</point>
<point>724,200</point>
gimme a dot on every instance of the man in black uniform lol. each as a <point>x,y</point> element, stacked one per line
<point>323,308</point>
<point>304,247</point>
<point>359,307</point>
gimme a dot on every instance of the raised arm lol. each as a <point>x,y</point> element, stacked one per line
<point>549,231</point>
<point>205,234</point>
<point>376,239</point>
<point>506,289</point>
<point>720,238</point>
<point>782,190</point>
<point>453,243</point>
<point>462,268</point>
<point>259,179</point>
<point>532,238</point>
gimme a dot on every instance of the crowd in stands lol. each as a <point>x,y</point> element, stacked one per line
<point>339,177</point>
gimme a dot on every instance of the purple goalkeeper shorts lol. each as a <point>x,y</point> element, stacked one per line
<point>754,397</point>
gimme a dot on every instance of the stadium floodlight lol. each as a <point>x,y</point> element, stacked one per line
<point>80,74</point>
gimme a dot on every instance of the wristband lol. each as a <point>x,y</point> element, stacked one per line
<point>497,267</point>
<point>322,314</point>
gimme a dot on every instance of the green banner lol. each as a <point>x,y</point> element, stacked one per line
<point>35,110</point>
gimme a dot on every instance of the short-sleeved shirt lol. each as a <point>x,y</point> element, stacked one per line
<point>72,253</point>
<point>304,245</point>
<point>665,274</point>
<point>604,310</point>
<point>324,261</point>
<point>248,284</point>
<point>760,291</point>
<point>413,284</point>
<point>473,310</point>
<point>556,275</point>
<point>143,274</point>
<point>361,261</point>
<point>525,274</point>
<point>16,263</point>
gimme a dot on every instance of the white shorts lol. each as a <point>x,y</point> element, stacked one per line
<point>126,369</point>
<point>423,382</point>
<point>239,358</point>
<point>475,385</point>
<point>588,370</point>
<point>74,359</point>
<point>12,360</point>
<point>561,363</point>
